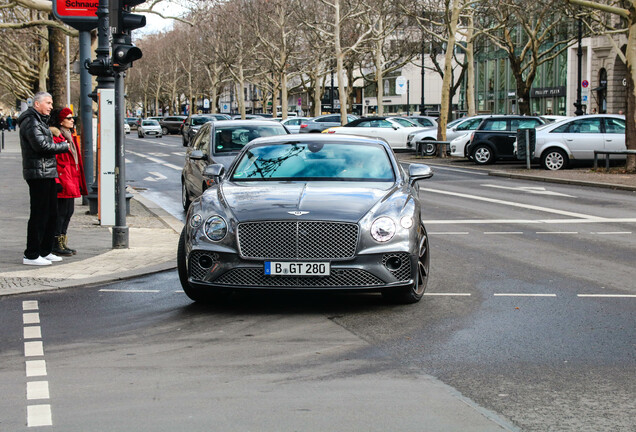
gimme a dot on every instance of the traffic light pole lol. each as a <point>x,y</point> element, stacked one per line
<point>120,230</point>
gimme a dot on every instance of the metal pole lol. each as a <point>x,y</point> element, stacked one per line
<point>86,108</point>
<point>528,148</point>
<point>68,73</point>
<point>120,230</point>
<point>333,109</point>
<point>579,54</point>
<point>408,97</point>
<point>422,110</point>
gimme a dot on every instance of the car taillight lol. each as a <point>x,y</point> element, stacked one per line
<point>472,136</point>
<point>303,126</point>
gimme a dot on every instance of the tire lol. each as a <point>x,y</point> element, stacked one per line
<point>414,293</point>
<point>164,130</point>
<point>194,293</point>
<point>160,136</point>
<point>430,149</point>
<point>554,159</point>
<point>483,155</point>
<point>185,197</point>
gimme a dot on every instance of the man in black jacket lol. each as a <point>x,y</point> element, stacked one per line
<point>39,169</point>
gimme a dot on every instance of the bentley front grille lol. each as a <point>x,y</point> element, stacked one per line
<point>297,240</point>
<point>254,277</point>
<point>399,264</point>
<point>200,264</point>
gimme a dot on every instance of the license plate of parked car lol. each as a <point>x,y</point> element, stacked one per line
<point>285,268</point>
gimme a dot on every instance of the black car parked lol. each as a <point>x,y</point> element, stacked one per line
<point>495,136</point>
<point>171,124</point>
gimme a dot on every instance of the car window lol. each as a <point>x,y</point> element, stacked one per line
<point>383,124</point>
<point>523,123</point>
<point>614,126</point>
<point>201,139</point>
<point>229,139</point>
<point>150,123</point>
<point>495,125</point>
<point>583,125</point>
<point>470,124</point>
<point>329,119</point>
<point>365,124</point>
<point>317,161</point>
<point>404,122</point>
<point>197,121</point>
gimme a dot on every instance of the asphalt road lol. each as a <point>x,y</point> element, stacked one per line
<point>528,321</point>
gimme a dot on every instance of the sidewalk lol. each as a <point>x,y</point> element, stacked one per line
<point>153,233</point>
<point>153,236</point>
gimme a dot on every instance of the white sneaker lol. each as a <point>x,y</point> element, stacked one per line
<point>39,261</point>
<point>53,258</point>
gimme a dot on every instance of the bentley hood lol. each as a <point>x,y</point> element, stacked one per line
<point>339,201</point>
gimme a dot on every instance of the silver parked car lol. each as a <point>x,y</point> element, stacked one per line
<point>315,212</point>
<point>149,128</point>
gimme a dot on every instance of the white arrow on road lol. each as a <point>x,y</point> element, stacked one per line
<point>530,189</point>
<point>157,177</point>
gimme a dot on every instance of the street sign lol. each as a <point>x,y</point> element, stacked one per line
<point>585,83</point>
<point>400,85</point>
<point>79,14</point>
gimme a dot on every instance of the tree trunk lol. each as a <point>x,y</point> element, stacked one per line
<point>448,74</point>
<point>630,116</point>
<point>57,68</point>
<point>379,77</point>
<point>470,63</point>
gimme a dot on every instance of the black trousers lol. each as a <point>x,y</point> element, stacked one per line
<point>65,209</point>
<point>41,225</point>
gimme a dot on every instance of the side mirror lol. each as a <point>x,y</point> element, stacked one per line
<point>214,172</point>
<point>419,172</point>
<point>395,127</point>
<point>198,155</point>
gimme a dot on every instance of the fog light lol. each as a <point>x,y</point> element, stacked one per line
<point>393,263</point>
<point>205,261</point>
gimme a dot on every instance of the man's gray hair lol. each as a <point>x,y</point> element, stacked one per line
<point>39,96</point>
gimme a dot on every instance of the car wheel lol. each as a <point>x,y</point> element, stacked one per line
<point>194,293</point>
<point>164,130</point>
<point>554,159</point>
<point>482,155</point>
<point>160,136</point>
<point>185,197</point>
<point>414,293</point>
<point>429,148</point>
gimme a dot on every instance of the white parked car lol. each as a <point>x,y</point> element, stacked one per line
<point>126,128</point>
<point>393,130</point>
<point>577,138</point>
<point>293,123</point>
<point>454,129</point>
<point>458,146</point>
<point>149,128</point>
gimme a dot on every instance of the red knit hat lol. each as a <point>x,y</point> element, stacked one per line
<point>64,112</point>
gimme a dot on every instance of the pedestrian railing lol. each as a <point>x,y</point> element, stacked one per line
<point>608,153</point>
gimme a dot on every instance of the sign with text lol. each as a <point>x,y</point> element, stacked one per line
<point>79,14</point>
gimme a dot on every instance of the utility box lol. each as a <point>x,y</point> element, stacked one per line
<point>526,142</point>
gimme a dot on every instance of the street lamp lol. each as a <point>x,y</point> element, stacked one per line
<point>579,54</point>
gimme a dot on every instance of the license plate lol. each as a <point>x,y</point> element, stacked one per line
<point>286,268</point>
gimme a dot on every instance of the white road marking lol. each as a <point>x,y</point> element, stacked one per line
<point>39,415</point>
<point>530,189</point>
<point>32,332</point>
<point>33,349</point>
<point>37,390</point>
<point>179,154</point>
<point>29,305</point>
<point>607,295</point>
<point>612,232</point>
<point>448,233</point>
<point>128,290</point>
<point>35,368</point>
<point>502,232</point>
<point>447,294</point>
<point>157,177</point>
<point>525,221</point>
<point>31,318</point>
<point>155,160</point>
<point>522,295</point>
<point>514,204</point>
<point>556,232</point>
<point>158,154</point>
<point>443,168</point>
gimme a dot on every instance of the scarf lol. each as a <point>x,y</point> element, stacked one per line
<point>66,133</point>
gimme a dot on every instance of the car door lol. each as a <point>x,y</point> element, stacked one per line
<point>201,142</point>
<point>582,136</point>
<point>463,128</point>
<point>614,135</point>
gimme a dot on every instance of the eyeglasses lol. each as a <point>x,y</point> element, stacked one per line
<point>69,118</point>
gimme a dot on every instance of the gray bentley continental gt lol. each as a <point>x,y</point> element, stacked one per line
<point>309,212</point>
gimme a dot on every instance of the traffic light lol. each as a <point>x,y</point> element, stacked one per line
<point>124,52</point>
<point>122,21</point>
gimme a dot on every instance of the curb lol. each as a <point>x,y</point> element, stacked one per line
<point>561,181</point>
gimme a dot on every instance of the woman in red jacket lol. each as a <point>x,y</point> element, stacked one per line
<point>70,171</point>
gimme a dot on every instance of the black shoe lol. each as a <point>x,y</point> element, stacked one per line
<point>58,247</point>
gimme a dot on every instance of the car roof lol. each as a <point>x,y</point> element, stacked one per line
<point>317,138</point>
<point>250,122</point>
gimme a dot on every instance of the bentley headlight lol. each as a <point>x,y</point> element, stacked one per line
<point>215,228</point>
<point>406,222</point>
<point>383,229</point>
<point>196,220</point>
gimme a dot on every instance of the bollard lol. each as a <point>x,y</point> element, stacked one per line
<point>2,139</point>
